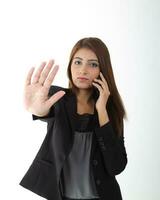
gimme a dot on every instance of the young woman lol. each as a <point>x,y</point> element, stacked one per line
<point>83,149</point>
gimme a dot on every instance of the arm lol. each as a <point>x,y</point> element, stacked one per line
<point>112,148</point>
<point>45,118</point>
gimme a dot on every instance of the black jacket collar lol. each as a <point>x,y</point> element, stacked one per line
<point>71,108</point>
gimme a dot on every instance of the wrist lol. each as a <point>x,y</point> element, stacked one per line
<point>42,114</point>
<point>103,117</point>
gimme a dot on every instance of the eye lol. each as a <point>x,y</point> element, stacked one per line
<point>77,62</point>
<point>94,64</point>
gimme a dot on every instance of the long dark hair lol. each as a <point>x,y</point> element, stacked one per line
<point>115,107</point>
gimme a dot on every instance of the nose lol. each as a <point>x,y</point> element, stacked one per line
<point>83,69</point>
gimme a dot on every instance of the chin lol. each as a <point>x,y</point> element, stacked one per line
<point>84,87</point>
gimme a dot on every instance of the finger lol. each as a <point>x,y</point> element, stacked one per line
<point>38,72</point>
<point>29,76</point>
<point>101,83</point>
<point>97,86</point>
<point>45,72</point>
<point>104,80</point>
<point>51,76</point>
<point>54,98</point>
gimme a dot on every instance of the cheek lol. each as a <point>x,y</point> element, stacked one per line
<point>96,73</point>
<point>73,72</point>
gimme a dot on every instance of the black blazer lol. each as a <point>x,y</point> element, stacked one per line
<point>108,153</point>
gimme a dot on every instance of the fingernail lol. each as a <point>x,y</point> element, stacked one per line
<point>56,67</point>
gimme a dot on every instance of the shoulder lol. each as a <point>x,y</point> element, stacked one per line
<point>54,88</point>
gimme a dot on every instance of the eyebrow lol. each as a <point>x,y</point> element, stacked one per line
<point>88,60</point>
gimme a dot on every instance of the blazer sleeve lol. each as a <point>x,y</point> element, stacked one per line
<point>50,116</point>
<point>112,148</point>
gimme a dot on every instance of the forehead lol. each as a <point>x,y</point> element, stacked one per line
<point>85,54</point>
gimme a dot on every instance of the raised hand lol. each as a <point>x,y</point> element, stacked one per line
<point>36,89</point>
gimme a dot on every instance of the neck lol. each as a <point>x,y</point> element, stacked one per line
<point>83,96</point>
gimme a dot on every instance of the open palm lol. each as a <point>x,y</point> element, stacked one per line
<point>36,89</point>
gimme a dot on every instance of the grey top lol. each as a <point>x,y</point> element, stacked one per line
<point>77,178</point>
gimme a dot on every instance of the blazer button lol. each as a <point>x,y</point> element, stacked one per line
<point>103,148</point>
<point>95,162</point>
<point>101,143</point>
<point>100,138</point>
<point>98,182</point>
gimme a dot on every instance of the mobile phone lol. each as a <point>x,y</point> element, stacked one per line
<point>95,89</point>
<point>99,77</point>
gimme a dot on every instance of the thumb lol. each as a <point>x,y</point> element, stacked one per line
<point>54,98</point>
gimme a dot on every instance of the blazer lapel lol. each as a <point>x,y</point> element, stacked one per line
<point>71,108</point>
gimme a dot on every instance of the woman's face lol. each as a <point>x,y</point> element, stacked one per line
<point>84,68</point>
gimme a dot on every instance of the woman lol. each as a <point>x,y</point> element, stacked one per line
<point>84,147</point>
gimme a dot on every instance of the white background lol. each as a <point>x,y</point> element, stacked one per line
<point>32,31</point>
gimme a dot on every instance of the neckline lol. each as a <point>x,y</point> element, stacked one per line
<point>85,114</point>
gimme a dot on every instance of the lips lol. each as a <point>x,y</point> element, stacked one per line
<point>82,78</point>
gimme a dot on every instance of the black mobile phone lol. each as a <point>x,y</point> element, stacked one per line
<point>99,77</point>
<point>96,91</point>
